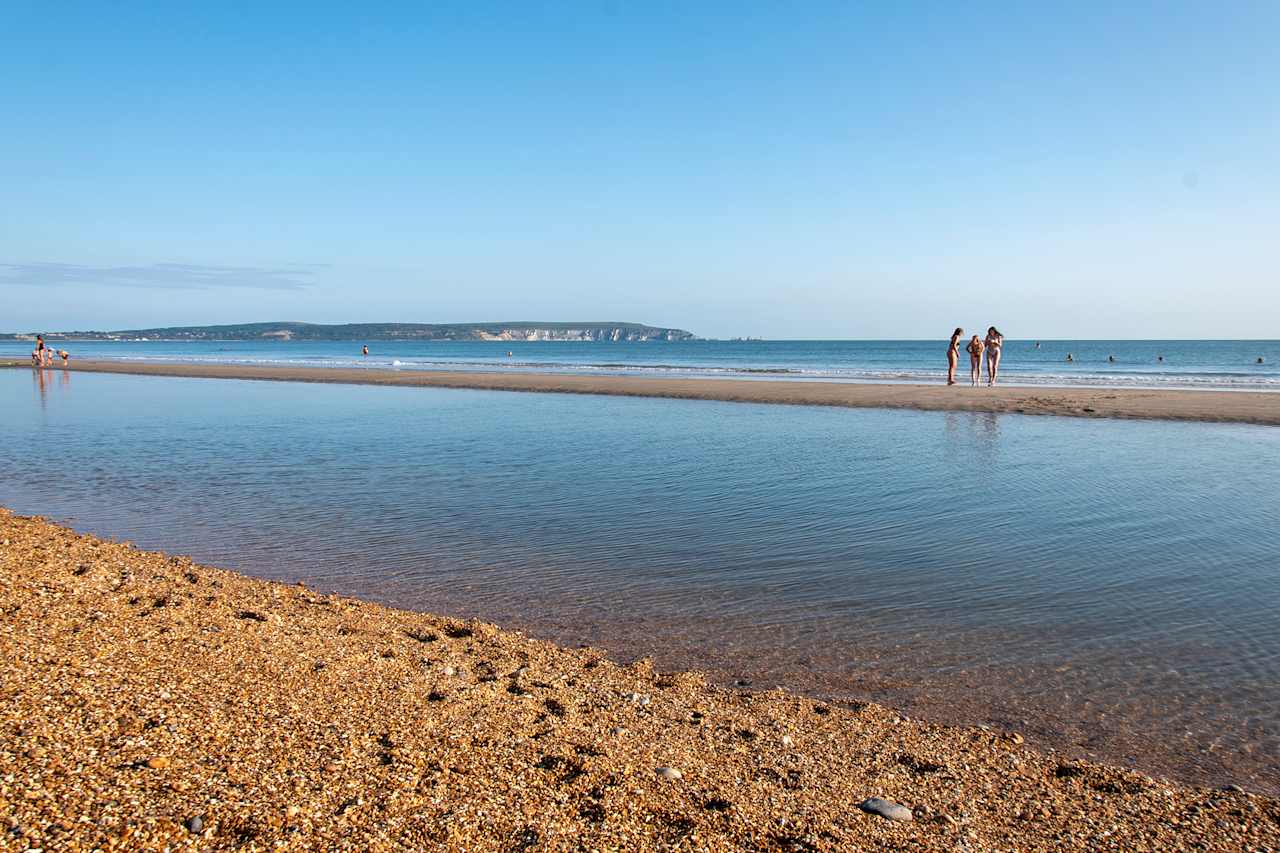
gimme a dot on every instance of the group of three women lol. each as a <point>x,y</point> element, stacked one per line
<point>977,348</point>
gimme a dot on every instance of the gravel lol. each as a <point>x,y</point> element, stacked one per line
<point>120,720</point>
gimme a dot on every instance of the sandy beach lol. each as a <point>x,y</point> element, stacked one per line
<point>1211,406</point>
<point>153,703</point>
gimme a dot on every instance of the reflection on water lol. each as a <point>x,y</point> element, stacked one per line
<point>970,434</point>
<point>1106,586</point>
<point>43,378</point>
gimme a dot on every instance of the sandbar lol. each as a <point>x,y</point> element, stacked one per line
<point>1163,404</point>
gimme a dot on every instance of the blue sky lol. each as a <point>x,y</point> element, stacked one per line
<point>828,170</point>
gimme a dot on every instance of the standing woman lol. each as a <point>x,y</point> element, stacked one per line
<point>953,356</point>
<point>975,360</point>
<point>994,342</point>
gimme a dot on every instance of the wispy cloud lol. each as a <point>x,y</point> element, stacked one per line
<point>159,276</point>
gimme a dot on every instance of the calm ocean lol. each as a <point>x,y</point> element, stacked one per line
<point>1109,588</point>
<point>1188,364</point>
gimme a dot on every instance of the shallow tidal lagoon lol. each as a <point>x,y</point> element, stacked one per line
<point>1107,587</point>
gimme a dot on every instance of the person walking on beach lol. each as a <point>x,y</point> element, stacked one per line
<point>975,349</point>
<point>42,352</point>
<point>953,356</point>
<point>993,343</point>
<point>65,356</point>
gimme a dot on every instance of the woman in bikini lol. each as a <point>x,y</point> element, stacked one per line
<point>953,356</point>
<point>994,343</point>
<point>974,349</point>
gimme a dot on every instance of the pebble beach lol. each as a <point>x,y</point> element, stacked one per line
<point>150,703</point>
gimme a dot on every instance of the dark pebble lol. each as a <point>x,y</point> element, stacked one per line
<point>885,808</point>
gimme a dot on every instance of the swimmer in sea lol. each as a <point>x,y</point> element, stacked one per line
<point>364,350</point>
<point>975,349</point>
<point>1069,357</point>
<point>1111,358</point>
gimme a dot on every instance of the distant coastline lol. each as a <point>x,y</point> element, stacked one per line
<point>293,331</point>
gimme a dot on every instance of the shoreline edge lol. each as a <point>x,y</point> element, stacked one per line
<point>151,701</point>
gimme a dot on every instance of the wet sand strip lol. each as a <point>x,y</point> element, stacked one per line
<point>1181,404</point>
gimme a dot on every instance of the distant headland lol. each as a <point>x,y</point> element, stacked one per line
<point>289,331</point>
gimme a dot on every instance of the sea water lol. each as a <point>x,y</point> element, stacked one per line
<point>1156,364</point>
<point>1106,587</point>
